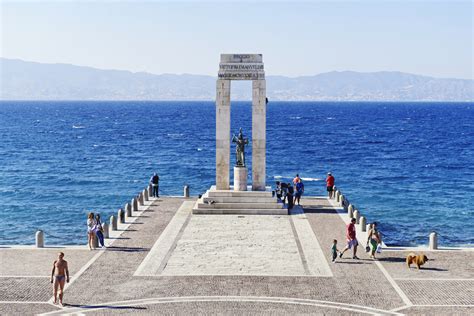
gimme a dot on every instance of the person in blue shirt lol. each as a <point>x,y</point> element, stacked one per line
<point>299,191</point>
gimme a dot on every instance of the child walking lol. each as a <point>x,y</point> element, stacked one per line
<point>334,250</point>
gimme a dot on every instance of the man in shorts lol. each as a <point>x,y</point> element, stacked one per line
<point>330,185</point>
<point>351,239</point>
<point>59,276</point>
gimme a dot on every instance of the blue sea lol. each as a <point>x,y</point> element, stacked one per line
<point>409,166</point>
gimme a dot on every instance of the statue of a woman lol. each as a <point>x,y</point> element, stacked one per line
<point>240,148</point>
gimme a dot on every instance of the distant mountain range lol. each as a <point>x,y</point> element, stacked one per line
<point>21,80</point>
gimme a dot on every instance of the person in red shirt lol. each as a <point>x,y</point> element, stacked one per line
<point>351,239</point>
<point>330,184</point>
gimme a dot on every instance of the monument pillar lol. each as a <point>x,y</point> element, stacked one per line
<point>259,123</point>
<point>241,67</point>
<point>222,134</point>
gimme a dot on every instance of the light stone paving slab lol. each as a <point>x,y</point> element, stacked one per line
<point>235,245</point>
<point>317,263</point>
<point>165,243</point>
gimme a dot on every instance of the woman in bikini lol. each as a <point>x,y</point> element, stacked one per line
<point>373,239</point>
<point>91,226</point>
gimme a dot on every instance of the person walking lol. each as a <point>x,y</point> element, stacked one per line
<point>330,185</point>
<point>284,191</point>
<point>91,226</point>
<point>278,191</point>
<point>334,250</point>
<point>289,196</point>
<point>299,191</point>
<point>99,231</point>
<point>155,183</point>
<point>59,275</point>
<point>373,239</point>
<point>351,239</point>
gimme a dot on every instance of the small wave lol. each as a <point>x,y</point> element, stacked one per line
<point>78,126</point>
<point>277,177</point>
<point>199,149</point>
<point>330,118</point>
<point>311,179</point>
<point>175,135</point>
<point>295,117</point>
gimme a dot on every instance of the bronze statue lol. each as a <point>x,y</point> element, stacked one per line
<point>240,148</point>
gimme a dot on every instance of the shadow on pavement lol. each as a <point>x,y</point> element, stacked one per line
<point>104,306</point>
<point>127,249</point>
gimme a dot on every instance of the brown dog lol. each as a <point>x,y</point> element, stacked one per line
<point>419,260</point>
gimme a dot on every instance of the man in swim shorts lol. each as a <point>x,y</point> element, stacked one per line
<point>351,239</point>
<point>330,185</point>
<point>59,276</point>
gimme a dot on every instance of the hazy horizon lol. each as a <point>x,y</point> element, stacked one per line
<point>429,38</point>
<point>215,75</point>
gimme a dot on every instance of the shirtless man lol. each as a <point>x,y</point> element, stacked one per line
<point>59,274</point>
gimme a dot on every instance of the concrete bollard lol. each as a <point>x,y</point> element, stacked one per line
<point>39,239</point>
<point>134,205</point>
<point>357,216</point>
<point>433,241</point>
<point>140,199</point>
<point>150,190</point>
<point>113,223</point>
<point>145,195</point>
<point>342,198</point>
<point>128,210</point>
<point>338,196</point>
<point>363,224</point>
<point>350,211</point>
<point>121,216</point>
<point>186,191</point>
<point>105,229</point>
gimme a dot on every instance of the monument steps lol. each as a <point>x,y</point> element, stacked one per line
<point>240,205</point>
<point>230,199</point>
<point>281,211</point>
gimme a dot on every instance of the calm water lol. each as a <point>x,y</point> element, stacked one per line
<point>408,166</point>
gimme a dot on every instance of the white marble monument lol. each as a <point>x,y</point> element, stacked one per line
<point>240,67</point>
<point>240,199</point>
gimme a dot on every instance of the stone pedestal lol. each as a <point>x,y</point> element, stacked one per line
<point>240,178</point>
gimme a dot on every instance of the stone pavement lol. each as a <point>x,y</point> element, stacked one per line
<point>118,280</point>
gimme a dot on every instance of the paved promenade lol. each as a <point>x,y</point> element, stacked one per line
<point>172,262</point>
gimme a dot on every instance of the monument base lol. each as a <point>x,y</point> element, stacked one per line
<point>235,202</point>
<point>240,178</point>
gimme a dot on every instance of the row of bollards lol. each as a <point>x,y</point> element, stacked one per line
<point>122,214</point>
<point>352,212</point>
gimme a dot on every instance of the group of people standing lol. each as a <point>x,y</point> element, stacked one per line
<point>290,193</point>
<point>94,230</point>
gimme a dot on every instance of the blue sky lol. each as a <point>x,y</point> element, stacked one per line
<point>422,37</point>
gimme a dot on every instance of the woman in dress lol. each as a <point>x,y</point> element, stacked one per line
<point>99,231</point>
<point>91,225</point>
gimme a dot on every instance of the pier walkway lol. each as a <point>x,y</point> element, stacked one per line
<point>167,260</point>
